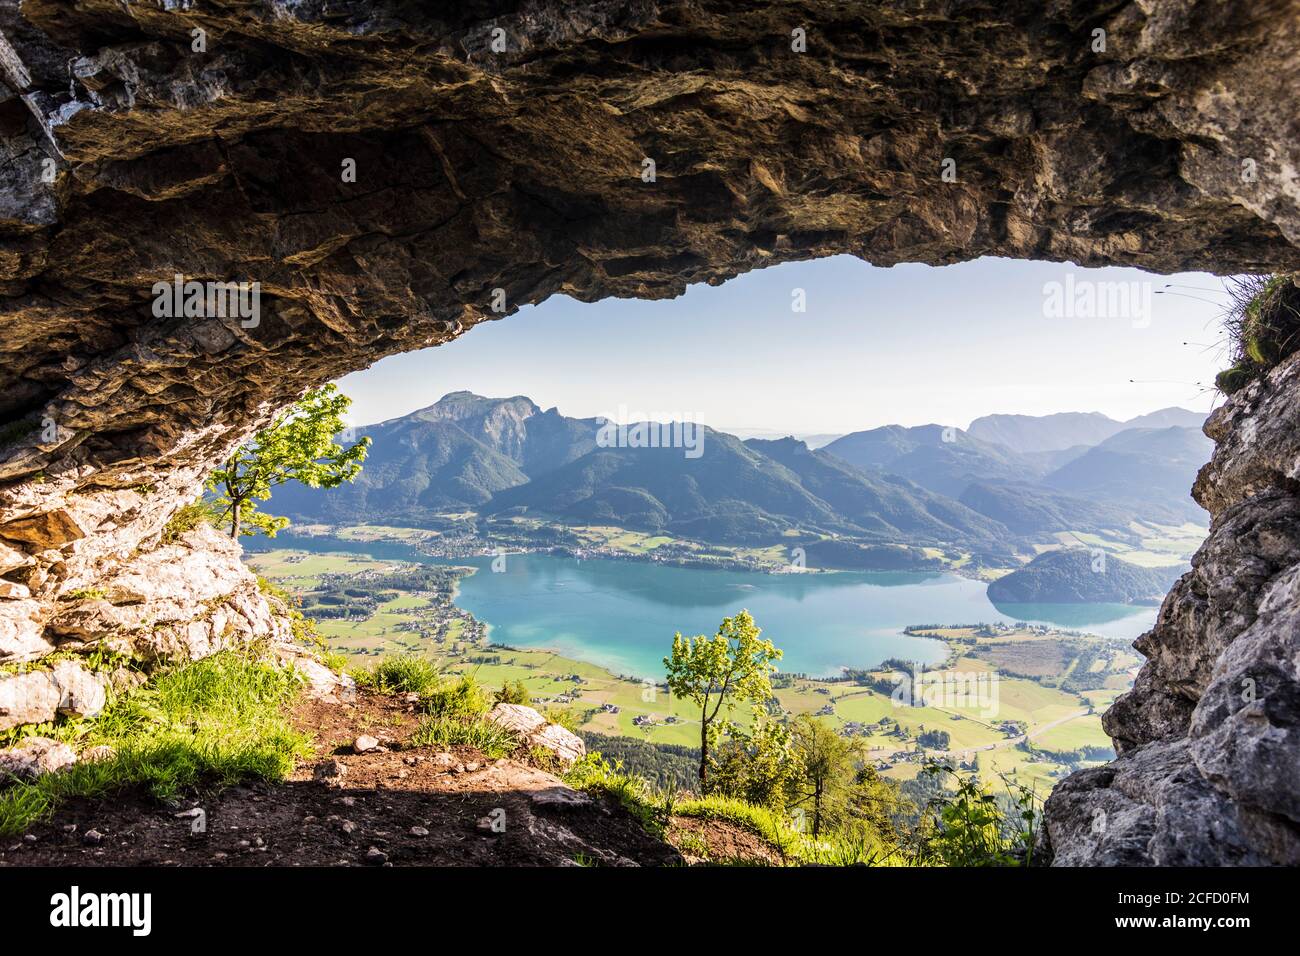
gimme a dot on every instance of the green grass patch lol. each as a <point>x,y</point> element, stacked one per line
<point>595,775</point>
<point>463,699</point>
<point>400,675</point>
<point>441,730</point>
<point>782,833</point>
<point>653,809</point>
<point>764,822</point>
<point>566,717</point>
<point>1263,326</point>
<point>212,722</point>
<point>187,519</point>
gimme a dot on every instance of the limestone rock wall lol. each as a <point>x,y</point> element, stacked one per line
<point>1209,738</point>
<point>180,601</point>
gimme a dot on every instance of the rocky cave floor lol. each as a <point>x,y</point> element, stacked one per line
<point>398,805</point>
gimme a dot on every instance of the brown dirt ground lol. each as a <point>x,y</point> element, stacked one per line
<point>455,795</point>
<point>726,842</point>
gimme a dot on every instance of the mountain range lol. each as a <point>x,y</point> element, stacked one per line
<point>508,456</point>
<point>1140,472</point>
<point>923,486</point>
<point>1066,430</point>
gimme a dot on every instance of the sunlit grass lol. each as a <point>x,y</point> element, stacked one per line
<point>446,731</point>
<point>213,722</point>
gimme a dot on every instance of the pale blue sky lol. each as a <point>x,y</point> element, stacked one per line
<point>909,345</point>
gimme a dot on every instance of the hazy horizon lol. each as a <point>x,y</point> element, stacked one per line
<point>857,358</point>
<point>739,431</point>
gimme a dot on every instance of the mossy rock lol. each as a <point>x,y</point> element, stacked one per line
<point>1264,325</point>
<point>1271,330</point>
<point>1263,351</point>
<point>1234,379</point>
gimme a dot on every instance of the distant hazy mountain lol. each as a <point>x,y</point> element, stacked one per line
<point>1030,433</point>
<point>1074,576</point>
<point>1035,511</point>
<point>946,460</point>
<point>1047,433</point>
<point>1132,474</point>
<point>811,439</point>
<point>1046,462</point>
<point>1168,418</point>
<point>1148,467</point>
<point>883,504</point>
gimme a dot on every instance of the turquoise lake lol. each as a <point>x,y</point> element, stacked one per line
<point>622,614</point>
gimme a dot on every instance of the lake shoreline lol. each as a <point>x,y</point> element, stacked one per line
<point>420,539</point>
<point>621,614</point>
<point>848,639</point>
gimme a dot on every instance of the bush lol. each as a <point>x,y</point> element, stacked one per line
<point>514,693</point>
<point>973,827</point>
<point>407,674</point>
<point>463,699</point>
<point>934,739</point>
<point>758,767</point>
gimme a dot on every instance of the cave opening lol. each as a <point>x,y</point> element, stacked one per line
<point>392,177</point>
